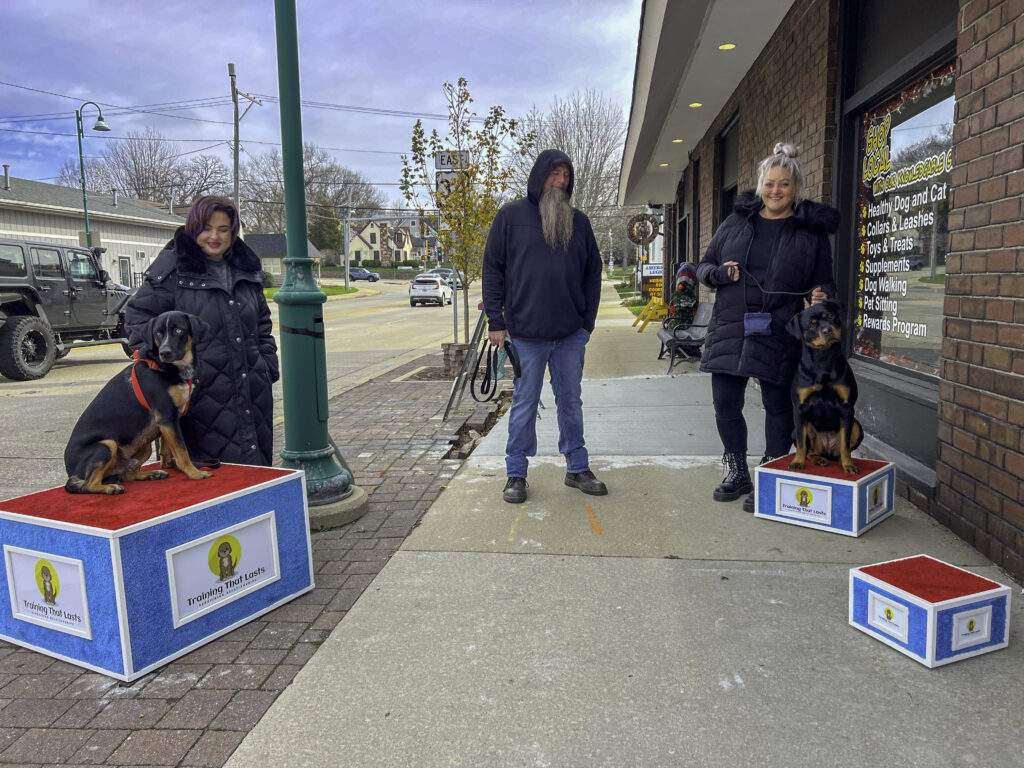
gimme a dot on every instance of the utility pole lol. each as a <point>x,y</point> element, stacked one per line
<point>235,93</point>
<point>344,233</point>
<point>234,99</point>
<point>611,250</point>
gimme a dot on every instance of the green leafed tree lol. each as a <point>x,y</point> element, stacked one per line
<point>325,233</point>
<point>481,157</point>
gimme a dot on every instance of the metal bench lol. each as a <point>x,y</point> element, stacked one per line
<point>685,343</point>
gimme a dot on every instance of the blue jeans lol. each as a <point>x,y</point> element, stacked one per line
<point>564,358</point>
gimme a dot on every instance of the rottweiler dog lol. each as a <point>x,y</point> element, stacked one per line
<point>824,391</point>
<point>113,437</point>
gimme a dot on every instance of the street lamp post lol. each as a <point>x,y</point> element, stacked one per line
<point>99,126</point>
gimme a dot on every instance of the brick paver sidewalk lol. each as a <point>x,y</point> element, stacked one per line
<point>196,710</point>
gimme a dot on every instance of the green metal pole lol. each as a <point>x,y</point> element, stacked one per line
<point>81,171</point>
<point>303,352</point>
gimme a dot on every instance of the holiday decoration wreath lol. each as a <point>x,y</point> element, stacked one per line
<point>642,229</point>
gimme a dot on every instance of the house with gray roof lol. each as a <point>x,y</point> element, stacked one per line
<point>273,248</point>
<point>132,232</point>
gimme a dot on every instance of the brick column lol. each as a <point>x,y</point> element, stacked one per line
<point>981,393</point>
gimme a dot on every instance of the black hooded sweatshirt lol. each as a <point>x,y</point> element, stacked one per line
<point>801,258</point>
<point>529,288</point>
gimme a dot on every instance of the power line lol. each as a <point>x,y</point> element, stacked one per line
<point>114,106</point>
<point>169,106</point>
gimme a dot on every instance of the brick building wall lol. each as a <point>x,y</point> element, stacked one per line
<point>981,393</point>
<point>789,94</point>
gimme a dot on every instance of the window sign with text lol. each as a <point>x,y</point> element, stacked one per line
<point>902,237</point>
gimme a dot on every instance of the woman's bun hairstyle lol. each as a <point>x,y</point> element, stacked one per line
<point>787,150</point>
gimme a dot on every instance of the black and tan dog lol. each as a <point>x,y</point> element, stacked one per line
<point>824,391</point>
<point>113,436</point>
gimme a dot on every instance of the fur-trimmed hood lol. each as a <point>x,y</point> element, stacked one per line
<point>191,257</point>
<point>814,216</point>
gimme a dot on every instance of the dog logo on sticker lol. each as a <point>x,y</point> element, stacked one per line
<point>971,625</point>
<point>889,614</point>
<point>48,581</point>
<point>224,556</point>
<point>804,497</point>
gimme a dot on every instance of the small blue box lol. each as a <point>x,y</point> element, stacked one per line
<point>929,610</point>
<point>124,584</point>
<point>827,497</point>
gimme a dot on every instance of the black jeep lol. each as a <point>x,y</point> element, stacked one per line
<point>54,298</point>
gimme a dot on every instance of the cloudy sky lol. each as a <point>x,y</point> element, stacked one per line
<point>386,55</point>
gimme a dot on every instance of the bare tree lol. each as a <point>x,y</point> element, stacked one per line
<point>97,179</point>
<point>330,190</point>
<point>591,130</point>
<point>203,175</point>
<point>146,166</point>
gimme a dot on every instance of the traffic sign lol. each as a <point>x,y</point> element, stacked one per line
<point>451,159</point>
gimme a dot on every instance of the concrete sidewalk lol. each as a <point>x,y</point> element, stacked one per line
<point>650,627</point>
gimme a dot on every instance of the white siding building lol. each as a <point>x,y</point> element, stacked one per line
<point>132,232</point>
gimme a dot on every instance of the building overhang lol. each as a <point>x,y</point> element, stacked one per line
<point>679,63</point>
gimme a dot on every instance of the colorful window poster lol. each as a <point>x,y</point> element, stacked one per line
<point>902,233</point>
<point>207,573</point>
<point>48,590</point>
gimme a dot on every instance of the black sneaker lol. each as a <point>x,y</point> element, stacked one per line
<point>586,482</point>
<point>515,490</point>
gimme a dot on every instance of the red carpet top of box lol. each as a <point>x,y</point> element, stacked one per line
<point>142,500</point>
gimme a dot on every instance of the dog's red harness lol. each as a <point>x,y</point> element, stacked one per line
<point>156,367</point>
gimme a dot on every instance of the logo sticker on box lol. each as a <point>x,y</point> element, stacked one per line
<point>804,501</point>
<point>887,616</point>
<point>48,590</point>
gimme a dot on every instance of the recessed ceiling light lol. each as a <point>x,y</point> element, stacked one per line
<point>663,165</point>
<point>695,104</point>
<point>726,46</point>
<point>677,141</point>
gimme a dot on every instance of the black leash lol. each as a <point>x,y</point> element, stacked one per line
<point>488,384</point>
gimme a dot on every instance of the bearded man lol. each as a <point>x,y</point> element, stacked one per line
<point>541,288</point>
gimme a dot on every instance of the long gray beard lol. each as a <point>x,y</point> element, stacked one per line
<point>556,218</point>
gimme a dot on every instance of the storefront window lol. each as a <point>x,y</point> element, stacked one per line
<point>906,154</point>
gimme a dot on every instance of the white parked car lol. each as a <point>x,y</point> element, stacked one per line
<point>430,289</point>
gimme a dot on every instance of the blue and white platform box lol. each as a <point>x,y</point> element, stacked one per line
<point>826,497</point>
<point>124,584</point>
<point>929,610</point>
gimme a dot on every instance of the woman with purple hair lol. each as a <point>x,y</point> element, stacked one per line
<point>207,271</point>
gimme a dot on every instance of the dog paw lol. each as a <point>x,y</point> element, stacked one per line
<point>821,461</point>
<point>158,474</point>
<point>796,465</point>
<point>201,474</point>
<point>851,469</point>
<point>114,489</point>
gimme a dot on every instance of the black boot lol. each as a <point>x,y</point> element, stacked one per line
<point>737,479</point>
<point>748,503</point>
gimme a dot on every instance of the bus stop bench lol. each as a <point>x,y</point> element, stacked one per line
<point>685,343</point>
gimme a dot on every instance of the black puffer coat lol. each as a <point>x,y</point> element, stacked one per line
<point>231,414</point>
<point>802,260</point>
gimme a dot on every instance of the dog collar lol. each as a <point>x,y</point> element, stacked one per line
<point>137,389</point>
